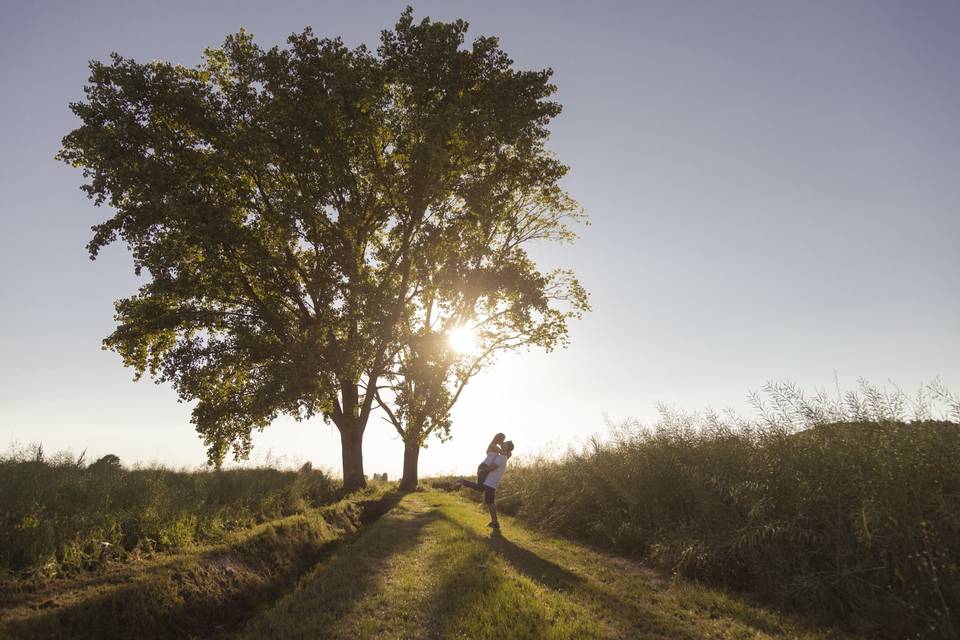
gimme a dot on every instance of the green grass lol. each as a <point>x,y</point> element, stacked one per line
<point>431,569</point>
<point>198,593</point>
<point>60,516</point>
<point>854,523</point>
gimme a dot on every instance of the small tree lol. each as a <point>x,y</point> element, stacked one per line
<point>478,278</point>
<point>107,463</point>
<point>287,207</point>
<point>485,288</point>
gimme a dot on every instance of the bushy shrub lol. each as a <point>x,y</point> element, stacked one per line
<point>856,519</point>
<point>62,514</point>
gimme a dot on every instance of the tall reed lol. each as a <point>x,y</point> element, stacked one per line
<point>846,507</point>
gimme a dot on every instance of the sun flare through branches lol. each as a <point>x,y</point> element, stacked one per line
<point>463,340</point>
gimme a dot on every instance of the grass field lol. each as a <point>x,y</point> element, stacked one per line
<point>431,569</point>
<point>202,591</point>
<point>60,516</point>
<point>852,524</point>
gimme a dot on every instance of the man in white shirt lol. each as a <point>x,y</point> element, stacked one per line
<point>493,449</point>
<point>498,453</point>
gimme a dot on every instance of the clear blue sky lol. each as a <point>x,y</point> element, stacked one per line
<point>774,189</point>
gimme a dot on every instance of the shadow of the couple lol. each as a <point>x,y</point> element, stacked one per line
<point>532,565</point>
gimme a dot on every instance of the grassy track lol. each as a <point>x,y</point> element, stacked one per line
<point>430,569</point>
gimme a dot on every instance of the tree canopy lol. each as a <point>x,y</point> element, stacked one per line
<point>312,219</point>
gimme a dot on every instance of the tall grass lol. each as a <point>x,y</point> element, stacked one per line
<point>58,514</point>
<point>845,508</point>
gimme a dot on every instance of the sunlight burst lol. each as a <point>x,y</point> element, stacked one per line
<point>463,339</point>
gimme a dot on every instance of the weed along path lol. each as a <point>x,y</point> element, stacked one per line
<point>430,569</point>
<point>196,593</point>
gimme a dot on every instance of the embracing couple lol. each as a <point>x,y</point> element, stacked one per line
<point>489,473</point>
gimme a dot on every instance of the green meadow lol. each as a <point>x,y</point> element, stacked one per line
<point>690,529</point>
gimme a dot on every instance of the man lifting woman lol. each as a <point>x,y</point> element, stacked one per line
<point>489,474</point>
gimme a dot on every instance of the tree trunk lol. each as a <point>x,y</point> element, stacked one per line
<point>351,443</point>
<point>411,457</point>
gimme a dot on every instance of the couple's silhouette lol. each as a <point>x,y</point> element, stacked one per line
<point>489,474</point>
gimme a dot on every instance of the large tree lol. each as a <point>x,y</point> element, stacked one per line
<point>293,209</point>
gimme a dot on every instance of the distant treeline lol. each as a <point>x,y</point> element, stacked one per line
<point>60,513</point>
<point>855,520</point>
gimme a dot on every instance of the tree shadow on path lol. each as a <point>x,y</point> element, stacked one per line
<point>471,586</point>
<point>631,613</point>
<point>322,599</point>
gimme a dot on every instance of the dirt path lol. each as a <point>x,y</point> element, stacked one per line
<point>431,569</point>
